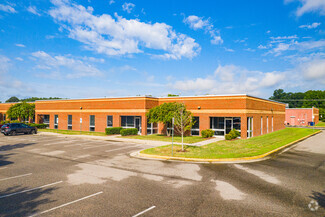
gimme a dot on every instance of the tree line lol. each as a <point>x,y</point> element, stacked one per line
<point>30,99</point>
<point>308,99</point>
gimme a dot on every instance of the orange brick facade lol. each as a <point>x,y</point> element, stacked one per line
<point>301,116</point>
<point>204,107</point>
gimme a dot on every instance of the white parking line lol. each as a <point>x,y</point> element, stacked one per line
<point>27,190</point>
<point>115,149</point>
<point>144,211</point>
<point>66,204</point>
<point>98,146</point>
<point>28,174</point>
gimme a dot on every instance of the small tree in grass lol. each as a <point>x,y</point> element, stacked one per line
<point>163,113</point>
<point>183,121</point>
<point>21,111</point>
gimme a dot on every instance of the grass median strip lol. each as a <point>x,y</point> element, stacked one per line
<point>163,138</point>
<point>73,132</point>
<point>236,148</point>
<point>320,124</point>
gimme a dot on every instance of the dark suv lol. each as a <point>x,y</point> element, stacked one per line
<point>13,129</point>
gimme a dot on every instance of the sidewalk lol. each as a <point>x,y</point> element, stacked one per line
<point>138,141</point>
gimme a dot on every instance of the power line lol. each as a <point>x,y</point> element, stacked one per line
<point>303,100</point>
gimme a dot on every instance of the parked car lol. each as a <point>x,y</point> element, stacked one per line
<point>15,128</point>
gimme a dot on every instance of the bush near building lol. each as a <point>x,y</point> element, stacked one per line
<point>38,126</point>
<point>113,130</point>
<point>233,134</point>
<point>207,133</point>
<point>129,131</point>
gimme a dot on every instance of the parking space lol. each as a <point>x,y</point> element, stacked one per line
<point>69,176</point>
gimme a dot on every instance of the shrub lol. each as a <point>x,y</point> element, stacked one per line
<point>113,130</point>
<point>129,131</point>
<point>15,122</point>
<point>38,126</point>
<point>233,134</point>
<point>228,137</point>
<point>207,133</point>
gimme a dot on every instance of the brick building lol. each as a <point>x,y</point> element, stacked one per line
<point>301,116</point>
<point>252,116</point>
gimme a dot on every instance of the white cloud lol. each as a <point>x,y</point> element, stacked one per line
<point>232,79</point>
<point>278,47</point>
<point>229,49</point>
<point>33,10</point>
<point>20,45</point>
<point>7,8</point>
<point>69,66</point>
<point>312,26</point>
<point>19,58</point>
<point>262,47</point>
<point>128,7</point>
<point>111,2</point>
<point>314,70</point>
<point>196,23</point>
<point>4,62</point>
<point>120,36</point>
<point>309,6</point>
<point>268,31</point>
<point>249,49</point>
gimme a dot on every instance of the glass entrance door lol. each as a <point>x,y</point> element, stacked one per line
<point>138,123</point>
<point>228,125</point>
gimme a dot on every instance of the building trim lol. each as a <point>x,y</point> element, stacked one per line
<point>93,111</point>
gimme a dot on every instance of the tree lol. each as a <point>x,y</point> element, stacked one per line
<point>33,99</point>
<point>13,99</point>
<point>183,121</point>
<point>21,111</point>
<point>172,95</point>
<point>163,113</point>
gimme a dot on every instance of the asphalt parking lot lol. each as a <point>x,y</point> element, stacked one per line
<point>64,176</point>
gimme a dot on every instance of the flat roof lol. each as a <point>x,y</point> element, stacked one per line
<point>166,97</point>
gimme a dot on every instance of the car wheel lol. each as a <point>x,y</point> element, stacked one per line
<point>33,132</point>
<point>13,133</point>
<point>5,134</point>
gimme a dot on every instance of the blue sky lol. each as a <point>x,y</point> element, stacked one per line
<point>83,49</point>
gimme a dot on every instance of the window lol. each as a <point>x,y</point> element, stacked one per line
<point>152,128</point>
<point>92,123</point>
<point>272,123</point>
<point>46,120</point>
<point>217,124</point>
<point>131,122</point>
<point>109,121</point>
<point>4,117</point>
<point>249,127</point>
<point>261,125</point>
<point>170,128</point>
<point>195,131</point>
<point>69,122</point>
<point>56,121</point>
<point>267,124</point>
<point>223,125</point>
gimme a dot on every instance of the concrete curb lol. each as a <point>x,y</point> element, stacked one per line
<point>220,160</point>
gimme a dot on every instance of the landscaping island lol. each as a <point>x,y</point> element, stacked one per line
<point>239,148</point>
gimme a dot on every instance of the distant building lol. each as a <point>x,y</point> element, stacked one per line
<point>302,116</point>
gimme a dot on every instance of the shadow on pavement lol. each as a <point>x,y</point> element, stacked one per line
<point>23,204</point>
<point>11,147</point>
<point>3,160</point>
<point>319,197</point>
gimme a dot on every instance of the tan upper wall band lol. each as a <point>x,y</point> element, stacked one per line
<point>203,111</point>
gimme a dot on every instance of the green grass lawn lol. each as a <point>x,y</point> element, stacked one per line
<point>157,137</point>
<point>236,148</point>
<point>71,132</point>
<point>320,124</point>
